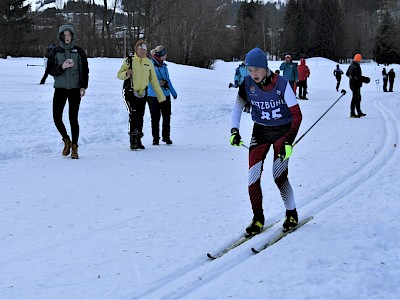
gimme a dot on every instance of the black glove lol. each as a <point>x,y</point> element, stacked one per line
<point>236,139</point>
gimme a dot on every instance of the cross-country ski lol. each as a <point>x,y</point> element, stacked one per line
<point>281,235</point>
<point>238,242</point>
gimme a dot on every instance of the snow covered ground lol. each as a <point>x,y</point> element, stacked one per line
<point>127,224</point>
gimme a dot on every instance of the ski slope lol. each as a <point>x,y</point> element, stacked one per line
<point>123,224</point>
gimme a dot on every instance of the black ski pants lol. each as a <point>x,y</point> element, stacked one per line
<point>136,107</point>
<point>74,100</point>
<point>355,100</point>
<point>156,111</point>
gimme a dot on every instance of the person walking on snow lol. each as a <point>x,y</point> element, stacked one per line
<point>391,76</point>
<point>240,74</point>
<point>46,57</point>
<point>164,108</point>
<point>290,73</point>
<point>355,81</point>
<point>338,74</point>
<point>304,73</point>
<point>138,71</point>
<point>277,118</point>
<point>68,65</point>
<point>385,79</point>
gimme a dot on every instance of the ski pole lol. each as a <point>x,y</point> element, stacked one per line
<point>28,65</point>
<point>296,142</point>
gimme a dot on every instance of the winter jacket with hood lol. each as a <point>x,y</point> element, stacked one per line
<point>70,78</point>
<point>303,70</point>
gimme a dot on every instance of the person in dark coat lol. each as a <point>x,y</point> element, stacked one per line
<point>46,57</point>
<point>385,79</point>
<point>391,76</point>
<point>338,74</point>
<point>356,80</point>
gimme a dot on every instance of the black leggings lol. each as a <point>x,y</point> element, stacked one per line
<point>156,111</point>
<point>74,101</point>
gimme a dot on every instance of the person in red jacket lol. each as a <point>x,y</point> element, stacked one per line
<point>304,73</point>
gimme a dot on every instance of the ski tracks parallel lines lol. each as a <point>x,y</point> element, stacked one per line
<point>188,279</point>
<point>358,177</point>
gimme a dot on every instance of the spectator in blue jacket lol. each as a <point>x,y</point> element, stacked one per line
<point>290,73</point>
<point>158,109</point>
<point>240,73</point>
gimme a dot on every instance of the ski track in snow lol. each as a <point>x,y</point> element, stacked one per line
<point>193,276</point>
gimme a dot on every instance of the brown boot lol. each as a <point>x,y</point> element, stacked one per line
<point>74,152</point>
<point>67,147</point>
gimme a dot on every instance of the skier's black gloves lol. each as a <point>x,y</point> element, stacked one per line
<point>285,151</point>
<point>235,139</point>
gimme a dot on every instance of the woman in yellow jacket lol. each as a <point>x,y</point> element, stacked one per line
<point>137,71</point>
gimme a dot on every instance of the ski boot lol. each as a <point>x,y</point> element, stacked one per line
<point>255,226</point>
<point>291,219</point>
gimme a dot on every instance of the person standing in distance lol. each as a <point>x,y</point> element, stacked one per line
<point>277,117</point>
<point>355,81</point>
<point>290,73</point>
<point>68,64</point>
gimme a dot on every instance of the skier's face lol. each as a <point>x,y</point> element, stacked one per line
<point>257,74</point>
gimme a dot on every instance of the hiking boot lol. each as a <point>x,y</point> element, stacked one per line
<point>361,115</point>
<point>255,226</point>
<point>291,219</point>
<point>74,152</point>
<point>354,116</point>
<point>135,139</point>
<point>167,141</point>
<point>139,143</point>
<point>67,147</point>
<point>156,141</point>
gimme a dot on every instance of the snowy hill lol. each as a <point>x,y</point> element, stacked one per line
<point>40,5</point>
<point>123,224</point>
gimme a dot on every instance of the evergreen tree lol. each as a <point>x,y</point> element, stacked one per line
<point>250,24</point>
<point>329,30</point>
<point>291,24</point>
<point>14,25</point>
<point>386,49</point>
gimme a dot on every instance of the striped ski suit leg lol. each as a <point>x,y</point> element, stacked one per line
<point>257,155</point>
<point>280,174</point>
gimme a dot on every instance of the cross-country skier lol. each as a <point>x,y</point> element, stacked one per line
<point>277,117</point>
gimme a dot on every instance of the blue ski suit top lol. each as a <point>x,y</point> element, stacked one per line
<point>162,74</point>
<point>240,73</point>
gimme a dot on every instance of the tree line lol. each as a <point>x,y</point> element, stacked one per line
<point>198,32</point>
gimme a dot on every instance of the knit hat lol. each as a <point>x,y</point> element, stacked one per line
<point>160,51</point>
<point>256,58</point>
<point>357,58</point>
